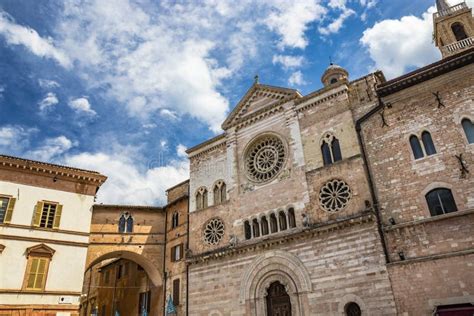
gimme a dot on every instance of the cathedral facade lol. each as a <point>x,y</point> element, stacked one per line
<point>356,199</point>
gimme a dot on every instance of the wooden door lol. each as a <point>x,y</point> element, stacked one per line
<point>278,301</point>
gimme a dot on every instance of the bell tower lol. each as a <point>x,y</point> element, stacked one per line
<point>453,27</point>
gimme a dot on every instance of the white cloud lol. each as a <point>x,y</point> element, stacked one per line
<point>336,24</point>
<point>48,84</point>
<point>16,34</point>
<point>288,61</point>
<point>290,20</point>
<point>126,183</point>
<point>49,100</point>
<point>82,105</point>
<point>2,89</point>
<point>397,45</point>
<point>52,148</point>
<point>169,114</point>
<point>368,3</point>
<point>14,139</point>
<point>181,151</point>
<point>296,79</point>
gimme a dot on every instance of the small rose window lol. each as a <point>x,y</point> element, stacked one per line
<point>214,231</point>
<point>334,195</point>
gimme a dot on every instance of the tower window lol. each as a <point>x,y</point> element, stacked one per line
<point>420,151</point>
<point>440,201</point>
<point>201,198</point>
<point>333,81</point>
<point>468,127</point>
<point>330,149</point>
<point>458,31</point>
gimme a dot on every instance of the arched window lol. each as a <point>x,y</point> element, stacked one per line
<point>352,309</point>
<point>201,198</point>
<point>428,143</point>
<point>130,224</point>
<point>121,225</point>
<point>291,218</point>
<point>248,232</point>
<point>468,127</point>
<point>256,228</point>
<point>125,223</point>
<point>459,32</point>
<point>330,149</point>
<point>175,220</point>
<point>333,80</point>
<point>282,218</point>
<point>219,191</point>
<point>273,223</point>
<point>440,201</point>
<point>416,147</point>
<point>264,226</point>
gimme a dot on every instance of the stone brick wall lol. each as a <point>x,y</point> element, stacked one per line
<point>421,286</point>
<point>343,264</point>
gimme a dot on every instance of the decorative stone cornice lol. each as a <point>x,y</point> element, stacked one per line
<point>291,235</point>
<point>37,167</point>
<point>207,146</point>
<point>321,96</point>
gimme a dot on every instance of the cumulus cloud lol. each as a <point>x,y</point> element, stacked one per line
<point>181,151</point>
<point>395,47</point>
<point>52,148</point>
<point>296,79</point>
<point>48,84</point>
<point>127,183</point>
<point>81,105</point>
<point>288,61</point>
<point>16,34</point>
<point>290,20</point>
<point>48,101</point>
<point>14,139</point>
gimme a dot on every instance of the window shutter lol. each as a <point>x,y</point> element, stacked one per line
<point>37,214</point>
<point>57,216</point>
<point>9,213</point>
<point>176,292</point>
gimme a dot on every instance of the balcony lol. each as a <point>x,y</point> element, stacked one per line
<point>451,10</point>
<point>458,46</point>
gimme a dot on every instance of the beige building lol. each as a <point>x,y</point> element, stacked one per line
<point>136,258</point>
<point>45,214</point>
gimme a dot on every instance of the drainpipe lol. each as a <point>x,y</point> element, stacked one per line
<point>187,246</point>
<point>359,122</point>
<point>164,261</point>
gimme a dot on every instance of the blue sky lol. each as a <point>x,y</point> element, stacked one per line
<point>125,86</point>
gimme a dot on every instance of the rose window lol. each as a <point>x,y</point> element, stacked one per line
<point>214,231</point>
<point>265,158</point>
<point>334,195</point>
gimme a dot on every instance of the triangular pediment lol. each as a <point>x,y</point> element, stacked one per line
<point>259,97</point>
<point>40,250</point>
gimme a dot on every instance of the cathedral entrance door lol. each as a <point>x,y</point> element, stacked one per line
<point>278,301</point>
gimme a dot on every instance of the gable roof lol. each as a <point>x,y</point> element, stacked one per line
<point>277,93</point>
<point>41,250</point>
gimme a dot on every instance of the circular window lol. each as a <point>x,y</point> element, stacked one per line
<point>334,195</point>
<point>265,158</point>
<point>214,231</point>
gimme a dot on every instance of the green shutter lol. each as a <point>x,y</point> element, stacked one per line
<point>9,213</point>
<point>37,214</point>
<point>57,216</point>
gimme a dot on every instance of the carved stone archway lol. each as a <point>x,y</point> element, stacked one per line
<point>271,267</point>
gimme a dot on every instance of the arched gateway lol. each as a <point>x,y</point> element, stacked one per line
<point>275,284</point>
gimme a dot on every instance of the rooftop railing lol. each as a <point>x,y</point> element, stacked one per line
<point>451,10</point>
<point>461,45</point>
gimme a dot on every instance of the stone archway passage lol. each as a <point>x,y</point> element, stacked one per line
<point>278,300</point>
<point>152,271</point>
